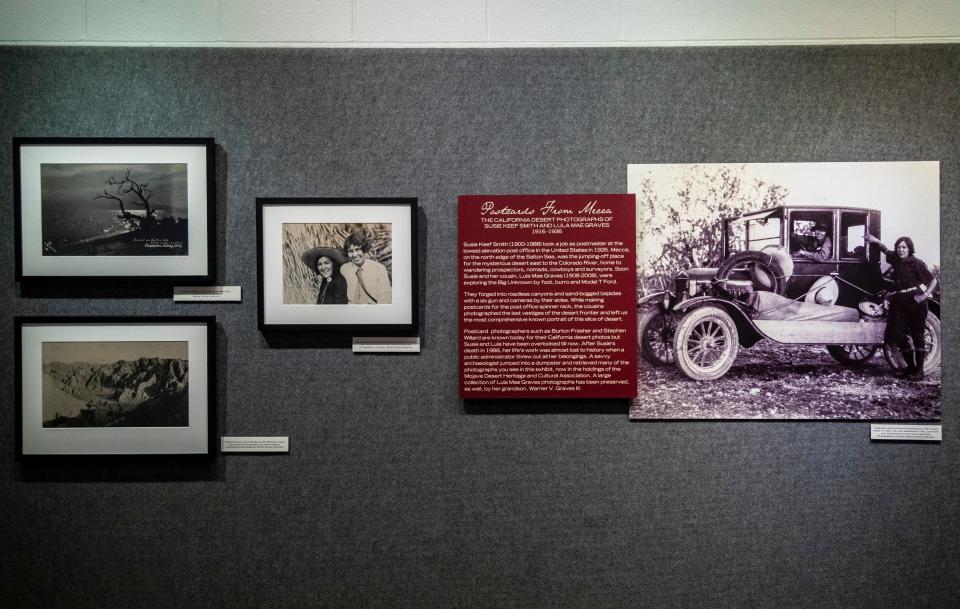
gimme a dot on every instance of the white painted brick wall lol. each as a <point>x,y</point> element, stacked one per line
<point>287,20</point>
<point>420,21</point>
<point>757,19</point>
<point>928,18</point>
<point>152,20</point>
<point>554,20</point>
<point>41,20</point>
<point>475,22</point>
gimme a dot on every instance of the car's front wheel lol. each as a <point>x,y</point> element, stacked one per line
<point>706,343</point>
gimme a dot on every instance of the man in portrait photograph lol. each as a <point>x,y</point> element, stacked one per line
<point>367,279</point>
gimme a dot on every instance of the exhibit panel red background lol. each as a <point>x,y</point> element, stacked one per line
<point>550,281</point>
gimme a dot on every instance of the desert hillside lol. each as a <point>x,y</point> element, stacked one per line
<point>145,391</point>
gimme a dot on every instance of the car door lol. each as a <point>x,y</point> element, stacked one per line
<point>799,226</point>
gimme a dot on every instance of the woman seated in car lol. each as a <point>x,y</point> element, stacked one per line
<point>817,247</point>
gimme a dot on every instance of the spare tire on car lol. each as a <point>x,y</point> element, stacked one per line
<point>764,268</point>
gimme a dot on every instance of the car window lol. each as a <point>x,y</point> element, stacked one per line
<point>853,225</point>
<point>811,235</point>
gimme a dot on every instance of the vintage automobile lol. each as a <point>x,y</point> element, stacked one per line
<point>791,274</point>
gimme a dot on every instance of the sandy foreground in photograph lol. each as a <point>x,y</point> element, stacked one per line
<point>776,381</point>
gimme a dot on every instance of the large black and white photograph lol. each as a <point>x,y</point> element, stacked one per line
<point>788,291</point>
<point>115,385</point>
<point>343,264</point>
<point>102,209</point>
<point>109,209</point>
<point>337,264</point>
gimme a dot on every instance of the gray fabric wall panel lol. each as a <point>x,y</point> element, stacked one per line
<point>396,494</point>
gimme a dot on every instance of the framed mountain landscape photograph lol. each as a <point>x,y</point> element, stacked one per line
<point>115,385</point>
<point>114,209</point>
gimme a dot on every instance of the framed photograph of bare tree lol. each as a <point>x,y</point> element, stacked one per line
<point>115,385</point>
<point>114,209</point>
<point>343,264</point>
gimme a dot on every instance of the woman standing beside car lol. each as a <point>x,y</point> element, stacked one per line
<point>913,284</point>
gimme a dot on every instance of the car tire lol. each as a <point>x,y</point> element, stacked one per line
<point>655,332</point>
<point>706,343</point>
<point>852,355</point>
<point>931,334</point>
<point>767,263</point>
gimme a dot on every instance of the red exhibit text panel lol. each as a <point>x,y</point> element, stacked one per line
<point>548,296</point>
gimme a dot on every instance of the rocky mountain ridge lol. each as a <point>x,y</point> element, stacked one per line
<point>125,382</point>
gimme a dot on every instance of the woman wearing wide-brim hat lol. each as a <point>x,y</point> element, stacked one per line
<point>325,262</point>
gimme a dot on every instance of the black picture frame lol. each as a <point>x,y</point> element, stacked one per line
<point>36,264</point>
<point>40,442</point>
<point>336,216</point>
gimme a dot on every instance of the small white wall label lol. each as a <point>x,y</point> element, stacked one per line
<point>255,444</point>
<point>912,433</point>
<point>386,344</point>
<point>207,293</point>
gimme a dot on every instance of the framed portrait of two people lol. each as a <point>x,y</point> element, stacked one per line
<point>342,264</point>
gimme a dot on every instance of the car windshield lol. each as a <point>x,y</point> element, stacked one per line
<point>754,232</point>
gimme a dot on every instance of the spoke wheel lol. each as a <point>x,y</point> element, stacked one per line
<point>706,343</point>
<point>931,338</point>
<point>655,331</point>
<point>852,355</point>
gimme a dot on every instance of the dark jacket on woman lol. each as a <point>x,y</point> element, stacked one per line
<point>333,290</point>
